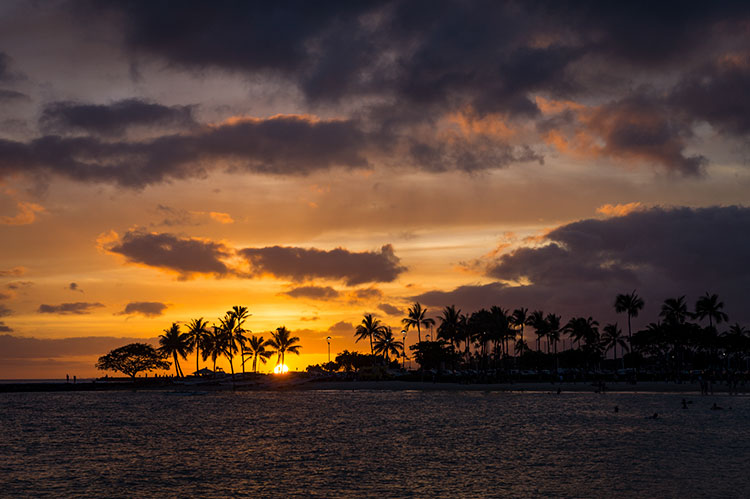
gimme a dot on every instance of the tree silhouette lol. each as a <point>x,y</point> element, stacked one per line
<point>611,337</point>
<point>240,315</point>
<point>518,319</point>
<point>213,345</point>
<point>631,304</point>
<point>709,306</point>
<point>225,338</point>
<point>536,320</point>
<point>132,359</point>
<point>282,341</point>
<point>197,333</point>
<point>368,329</point>
<point>674,310</point>
<point>256,348</point>
<point>386,344</point>
<point>417,319</point>
<point>450,324</point>
<point>176,344</point>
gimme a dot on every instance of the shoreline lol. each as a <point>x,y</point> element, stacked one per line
<point>296,384</point>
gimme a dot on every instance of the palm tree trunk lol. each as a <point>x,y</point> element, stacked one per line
<point>197,356</point>
<point>419,333</point>
<point>255,360</point>
<point>176,365</point>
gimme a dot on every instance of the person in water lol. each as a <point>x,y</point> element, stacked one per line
<point>716,407</point>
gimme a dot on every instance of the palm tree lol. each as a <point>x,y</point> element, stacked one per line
<point>611,338</point>
<point>197,332</point>
<point>256,347</point>
<point>450,325</point>
<point>536,320</point>
<point>518,319</point>
<point>553,332</point>
<point>226,338</point>
<point>417,319</point>
<point>368,329</point>
<point>631,304</point>
<point>175,343</point>
<point>282,341</point>
<point>385,344</point>
<point>674,310</point>
<point>709,306</point>
<point>240,314</point>
<point>212,345</point>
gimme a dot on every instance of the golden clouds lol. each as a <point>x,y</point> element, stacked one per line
<point>619,210</point>
<point>26,214</point>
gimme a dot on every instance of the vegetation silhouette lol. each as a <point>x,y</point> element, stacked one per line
<point>132,359</point>
<point>417,318</point>
<point>282,341</point>
<point>177,344</point>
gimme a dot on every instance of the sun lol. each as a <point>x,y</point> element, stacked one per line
<point>281,369</point>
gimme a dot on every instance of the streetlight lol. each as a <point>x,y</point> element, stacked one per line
<point>403,347</point>
<point>329,349</point>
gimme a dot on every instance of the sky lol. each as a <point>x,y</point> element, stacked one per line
<point>317,161</point>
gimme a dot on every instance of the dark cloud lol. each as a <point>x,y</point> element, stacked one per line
<point>74,287</point>
<point>314,292</point>
<point>366,294</point>
<point>5,311</point>
<point>283,145</point>
<point>474,154</point>
<point>6,69</point>
<point>299,264</point>
<point>113,119</point>
<point>12,95</point>
<point>144,308</point>
<point>186,256</point>
<point>342,327</point>
<point>660,252</point>
<point>76,308</point>
<point>4,328</point>
<point>642,127</point>
<point>390,309</point>
<point>18,347</point>
<point>717,93</point>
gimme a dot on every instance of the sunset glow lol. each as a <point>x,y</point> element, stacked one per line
<point>281,369</point>
<point>370,159</point>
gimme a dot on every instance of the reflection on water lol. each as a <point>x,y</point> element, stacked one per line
<point>341,444</point>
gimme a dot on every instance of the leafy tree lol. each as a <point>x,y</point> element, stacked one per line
<point>177,344</point>
<point>433,354</point>
<point>417,318</point>
<point>282,341</point>
<point>368,329</point>
<point>132,359</point>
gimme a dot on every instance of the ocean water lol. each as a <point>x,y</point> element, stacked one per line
<point>367,444</point>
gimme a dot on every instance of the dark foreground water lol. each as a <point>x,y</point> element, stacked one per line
<point>365,444</point>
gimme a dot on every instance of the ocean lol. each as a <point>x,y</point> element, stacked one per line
<point>372,444</point>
